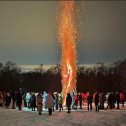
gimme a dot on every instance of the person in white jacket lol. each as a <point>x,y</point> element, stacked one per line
<point>49,103</point>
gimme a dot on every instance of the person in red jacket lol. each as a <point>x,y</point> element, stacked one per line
<point>75,101</point>
<point>122,98</point>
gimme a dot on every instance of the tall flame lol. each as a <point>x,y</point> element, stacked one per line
<point>67,37</point>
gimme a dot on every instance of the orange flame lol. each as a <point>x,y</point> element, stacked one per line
<point>67,36</point>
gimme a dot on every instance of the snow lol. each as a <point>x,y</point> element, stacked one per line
<point>78,117</point>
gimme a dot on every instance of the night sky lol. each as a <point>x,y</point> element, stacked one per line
<point>28,32</point>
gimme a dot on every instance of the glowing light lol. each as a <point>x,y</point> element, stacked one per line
<point>67,37</point>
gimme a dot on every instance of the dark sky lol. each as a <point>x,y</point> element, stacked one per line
<point>28,32</point>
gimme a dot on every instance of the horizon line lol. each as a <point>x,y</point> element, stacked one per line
<point>32,67</point>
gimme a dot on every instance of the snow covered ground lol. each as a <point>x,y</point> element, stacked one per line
<point>10,117</point>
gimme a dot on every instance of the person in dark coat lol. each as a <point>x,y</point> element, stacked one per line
<point>33,102</point>
<point>13,96</point>
<point>7,100</point>
<point>97,102</point>
<point>19,99</point>
<point>101,100</point>
<point>89,101</point>
<point>68,102</point>
<point>114,99</point>
<point>110,101</point>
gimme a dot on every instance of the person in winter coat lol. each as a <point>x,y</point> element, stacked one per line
<point>101,100</point>
<point>13,96</point>
<point>33,101</point>
<point>75,105</point>
<point>39,103</point>
<point>89,101</point>
<point>60,102</point>
<point>7,100</point>
<point>19,99</point>
<point>68,102</point>
<point>49,103</point>
<point>96,99</point>
<point>122,98</point>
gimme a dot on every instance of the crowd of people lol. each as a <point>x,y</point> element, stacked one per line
<point>54,101</point>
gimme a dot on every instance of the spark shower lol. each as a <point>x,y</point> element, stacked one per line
<point>67,37</point>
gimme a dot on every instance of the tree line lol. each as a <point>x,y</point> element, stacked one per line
<point>100,77</point>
